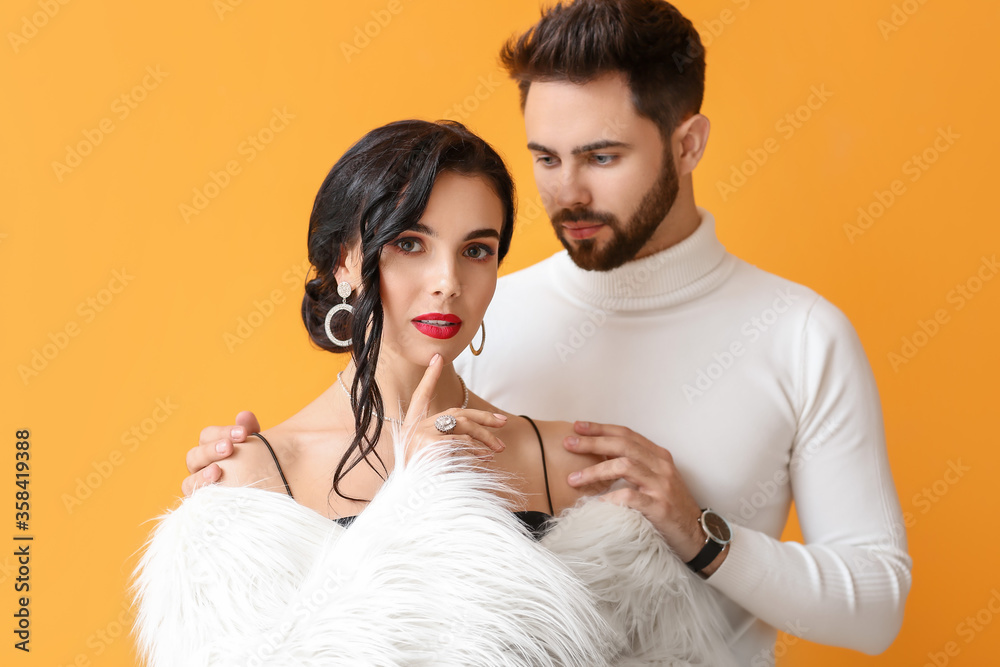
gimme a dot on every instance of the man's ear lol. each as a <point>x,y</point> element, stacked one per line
<point>349,265</point>
<point>690,139</point>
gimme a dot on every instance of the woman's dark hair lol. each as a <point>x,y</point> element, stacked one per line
<point>375,192</point>
<point>649,41</point>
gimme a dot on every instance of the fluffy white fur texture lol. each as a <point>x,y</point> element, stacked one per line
<point>435,571</point>
<point>667,614</point>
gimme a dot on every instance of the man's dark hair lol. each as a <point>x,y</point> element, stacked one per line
<point>650,42</point>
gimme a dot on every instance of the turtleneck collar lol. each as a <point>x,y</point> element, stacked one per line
<point>682,272</point>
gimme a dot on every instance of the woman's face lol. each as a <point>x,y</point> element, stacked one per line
<point>438,278</point>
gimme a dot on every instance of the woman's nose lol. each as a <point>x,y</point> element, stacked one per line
<point>446,281</point>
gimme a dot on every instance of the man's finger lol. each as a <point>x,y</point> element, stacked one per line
<point>212,434</point>
<point>204,455</point>
<point>612,469</point>
<point>627,497</point>
<point>209,475</point>
<point>421,399</point>
<point>611,447</point>
<point>249,422</point>
<point>246,423</point>
<point>595,429</point>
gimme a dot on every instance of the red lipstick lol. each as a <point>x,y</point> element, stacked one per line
<point>437,325</point>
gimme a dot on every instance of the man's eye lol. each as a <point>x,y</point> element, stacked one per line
<point>546,160</point>
<point>604,159</point>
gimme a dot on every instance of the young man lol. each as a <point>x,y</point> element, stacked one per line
<point>749,391</point>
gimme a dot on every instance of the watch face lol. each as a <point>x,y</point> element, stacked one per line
<point>717,527</point>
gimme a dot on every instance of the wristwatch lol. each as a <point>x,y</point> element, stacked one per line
<point>717,535</point>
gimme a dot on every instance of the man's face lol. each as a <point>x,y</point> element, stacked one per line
<point>602,170</point>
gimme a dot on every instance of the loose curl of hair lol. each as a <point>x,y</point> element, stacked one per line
<point>375,192</point>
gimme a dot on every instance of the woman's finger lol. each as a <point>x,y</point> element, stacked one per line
<point>483,417</point>
<point>421,399</point>
<point>426,435</point>
<point>476,423</point>
<point>469,427</point>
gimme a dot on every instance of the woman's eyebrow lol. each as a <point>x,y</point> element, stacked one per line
<point>481,233</point>
<point>486,232</point>
<point>423,229</point>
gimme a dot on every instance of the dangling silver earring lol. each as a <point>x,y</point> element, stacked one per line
<point>472,349</point>
<point>343,291</point>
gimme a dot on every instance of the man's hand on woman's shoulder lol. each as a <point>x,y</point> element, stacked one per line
<point>562,462</point>
<point>215,444</point>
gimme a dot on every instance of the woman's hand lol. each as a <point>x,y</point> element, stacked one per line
<point>473,428</point>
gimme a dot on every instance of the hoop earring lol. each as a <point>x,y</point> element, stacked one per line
<point>343,291</point>
<point>474,351</point>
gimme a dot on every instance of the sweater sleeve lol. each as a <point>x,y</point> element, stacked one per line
<point>847,585</point>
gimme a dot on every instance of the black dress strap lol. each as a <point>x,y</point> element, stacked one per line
<point>545,471</point>
<point>273,456</point>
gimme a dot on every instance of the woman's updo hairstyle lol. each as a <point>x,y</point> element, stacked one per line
<point>375,192</point>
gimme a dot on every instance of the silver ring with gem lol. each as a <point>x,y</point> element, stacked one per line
<point>445,423</point>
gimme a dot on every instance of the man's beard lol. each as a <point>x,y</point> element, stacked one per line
<point>628,239</point>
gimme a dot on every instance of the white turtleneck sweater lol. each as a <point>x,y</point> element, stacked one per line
<point>761,391</point>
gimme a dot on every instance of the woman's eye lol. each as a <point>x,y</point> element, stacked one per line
<point>479,252</point>
<point>408,245</point>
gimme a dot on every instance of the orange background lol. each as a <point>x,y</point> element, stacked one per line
<point>159,349</point>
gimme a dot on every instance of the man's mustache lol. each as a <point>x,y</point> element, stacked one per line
<point>583,215</point>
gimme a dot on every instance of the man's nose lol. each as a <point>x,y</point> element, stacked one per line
<point>571,191</point>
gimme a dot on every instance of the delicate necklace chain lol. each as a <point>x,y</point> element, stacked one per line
<point>465,393</point>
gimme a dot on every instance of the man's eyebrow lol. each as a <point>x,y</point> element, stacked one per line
<point>600,145</point>
<point>588,148</point>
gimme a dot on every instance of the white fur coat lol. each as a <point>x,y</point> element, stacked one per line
<point>436,571</point>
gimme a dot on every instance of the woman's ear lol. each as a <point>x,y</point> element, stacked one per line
<point>349,266</point>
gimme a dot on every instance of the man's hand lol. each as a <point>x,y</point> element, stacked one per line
<point>656,489</point>
<point>215,444</point>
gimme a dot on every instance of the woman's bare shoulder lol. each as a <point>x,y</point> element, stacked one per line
<point>561,462</point>
<point>554,434</point>
<point>558,459</point>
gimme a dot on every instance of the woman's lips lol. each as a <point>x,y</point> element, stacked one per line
<point>581,230</point>
<point>437,325</point>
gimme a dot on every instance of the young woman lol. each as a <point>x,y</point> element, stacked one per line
<point>412,223</point>
<point>405,237</point>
